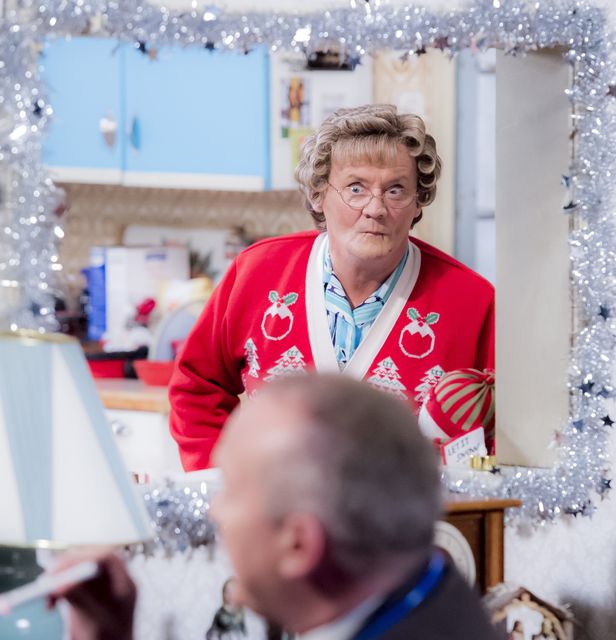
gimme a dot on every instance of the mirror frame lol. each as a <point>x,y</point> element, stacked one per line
<point>33,228</point>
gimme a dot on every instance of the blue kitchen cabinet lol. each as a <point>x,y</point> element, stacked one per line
<point>190,118</point>
<point>83,82</point>
<point>199,118</point>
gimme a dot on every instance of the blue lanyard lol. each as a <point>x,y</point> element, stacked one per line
<point>411,600</point>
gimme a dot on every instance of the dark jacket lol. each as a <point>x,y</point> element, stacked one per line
<point>453,611</point>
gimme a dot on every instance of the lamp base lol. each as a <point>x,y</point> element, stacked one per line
<point>30,621</point>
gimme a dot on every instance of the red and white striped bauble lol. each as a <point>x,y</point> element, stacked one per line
<point>461,400</point>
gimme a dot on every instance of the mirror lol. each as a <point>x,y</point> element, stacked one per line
<point>102,89</point>
<point>363,29</point>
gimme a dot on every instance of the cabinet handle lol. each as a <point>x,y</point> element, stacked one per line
<point>119,428</point>
<point>108,126</point>
<point>134,135</point>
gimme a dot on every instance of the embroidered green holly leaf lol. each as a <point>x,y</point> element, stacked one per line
<point>432,317</point>
<point>412,313</point>
<point>273,296</point>
<point>290,298</point>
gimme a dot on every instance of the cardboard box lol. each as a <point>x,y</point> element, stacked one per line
<point>120,278</point>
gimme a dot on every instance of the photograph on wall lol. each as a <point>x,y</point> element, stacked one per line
<point>294,113</point>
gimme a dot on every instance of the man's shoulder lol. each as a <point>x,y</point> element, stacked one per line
<point>454,611</point>
<point>436,260</point>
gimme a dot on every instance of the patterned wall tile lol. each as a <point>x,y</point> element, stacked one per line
<point>98,215</point>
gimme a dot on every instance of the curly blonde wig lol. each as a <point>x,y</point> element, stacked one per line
<point>371,134</point>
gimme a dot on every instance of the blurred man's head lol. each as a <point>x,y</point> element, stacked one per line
<point>328,484</point>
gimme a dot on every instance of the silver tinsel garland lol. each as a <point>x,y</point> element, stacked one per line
<point>180,518</point>
<point>28,253</point>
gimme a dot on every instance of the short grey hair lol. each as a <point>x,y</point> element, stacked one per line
<point>370,132</point>
<point>363,468</point>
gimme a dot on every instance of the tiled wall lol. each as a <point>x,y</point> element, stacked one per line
<point>98,215</point>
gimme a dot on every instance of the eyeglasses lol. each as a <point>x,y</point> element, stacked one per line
<point>358,197</point>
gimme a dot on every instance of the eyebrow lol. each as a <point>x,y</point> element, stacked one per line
<point>355,177</point>
<point>396,176</point>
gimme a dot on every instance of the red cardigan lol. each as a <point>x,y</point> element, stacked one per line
<point>267,318</point>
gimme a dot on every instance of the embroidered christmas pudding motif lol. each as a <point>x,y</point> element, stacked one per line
<point>278,319</point>
<point>417,338</point>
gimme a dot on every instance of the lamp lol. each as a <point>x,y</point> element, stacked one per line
<point>62,480</point>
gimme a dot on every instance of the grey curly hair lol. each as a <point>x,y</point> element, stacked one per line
<point>367,133</point>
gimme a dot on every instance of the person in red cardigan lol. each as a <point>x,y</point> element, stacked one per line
<point>357,296</point>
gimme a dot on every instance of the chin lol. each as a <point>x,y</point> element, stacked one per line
<point>374,248</point>
<point>374,239</point>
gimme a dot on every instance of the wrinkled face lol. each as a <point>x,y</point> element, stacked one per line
<point>376,232</point>
<point>252,440</point>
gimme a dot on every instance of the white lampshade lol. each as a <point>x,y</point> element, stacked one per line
<point>62,479</point>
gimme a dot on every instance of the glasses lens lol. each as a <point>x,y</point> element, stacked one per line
<point>398,199</point>
<point>356,200</point>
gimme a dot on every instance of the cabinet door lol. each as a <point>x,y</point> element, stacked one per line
<point>145,443</point>
<point>198,119</point>
<point>83,80</point>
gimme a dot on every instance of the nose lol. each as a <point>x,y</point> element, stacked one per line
<point>376,207</point>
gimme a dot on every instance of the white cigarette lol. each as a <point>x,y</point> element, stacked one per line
<point>45,584</point>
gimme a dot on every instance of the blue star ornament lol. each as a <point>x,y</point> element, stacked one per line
<point>586,387</point>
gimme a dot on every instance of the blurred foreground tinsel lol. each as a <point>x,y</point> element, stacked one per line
<point>180,518</point>
<point>31,224</point>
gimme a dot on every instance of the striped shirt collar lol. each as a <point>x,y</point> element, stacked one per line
<point>348,326</point>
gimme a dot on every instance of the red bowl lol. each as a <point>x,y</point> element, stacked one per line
<point>155,373</point>
<point>107,368</point>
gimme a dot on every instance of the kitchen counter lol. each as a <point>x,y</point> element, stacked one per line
<point>132,395</point>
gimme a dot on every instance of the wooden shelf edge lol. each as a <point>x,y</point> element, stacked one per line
<point>464,504</point>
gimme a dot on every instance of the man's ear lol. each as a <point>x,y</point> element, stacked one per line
<point>302,545</point>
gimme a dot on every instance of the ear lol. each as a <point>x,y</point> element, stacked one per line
<point>316,202</point>
<point>416,217</point>
<point>302,545</point>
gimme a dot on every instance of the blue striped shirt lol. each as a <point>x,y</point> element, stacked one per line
<point>348,326</point>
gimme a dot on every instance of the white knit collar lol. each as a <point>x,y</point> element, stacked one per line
<point>318,330</point>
